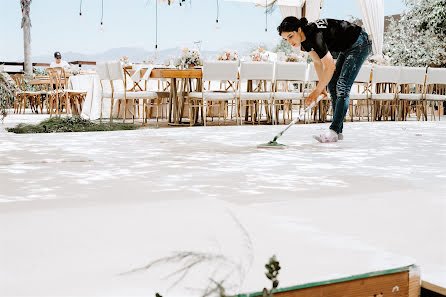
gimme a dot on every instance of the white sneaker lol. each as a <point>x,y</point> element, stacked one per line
<point>340,136</point>
<point>327,137</point>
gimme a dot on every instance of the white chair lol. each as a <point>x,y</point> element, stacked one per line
<point>263,72</point>
<point>77,93</point>
<point>361,94</point>
<point>215,71</point>
<point>290,73</point>
<point>436,89</point>
<point>411,83</point>
<point>106,88</point>
<point>161,102</point>
<point>384,91</point>
<point>324,105</point>
<point>119,89</point>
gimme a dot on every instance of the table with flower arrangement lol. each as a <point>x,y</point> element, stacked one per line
<point>184,86</point>
<point>180,85</point>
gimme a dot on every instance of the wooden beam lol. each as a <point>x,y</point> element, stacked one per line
<point>434,288</point>
<point>83,62</point>
<point>395,285</point>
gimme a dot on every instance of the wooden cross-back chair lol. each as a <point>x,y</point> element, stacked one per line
<point>23,96</point>
<point>58,96</point>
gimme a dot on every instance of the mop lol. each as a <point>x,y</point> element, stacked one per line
<point>273,143</point>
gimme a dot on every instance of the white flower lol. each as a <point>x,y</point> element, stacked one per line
<point>187,58</point>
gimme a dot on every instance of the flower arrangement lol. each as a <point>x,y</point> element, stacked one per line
<point>188,58</point>
<point>124,60</point>
<point>259,55</point>
<point>228,55</point>
<point>296,57</point>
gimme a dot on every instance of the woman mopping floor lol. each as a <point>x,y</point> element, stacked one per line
<point>319,38</point>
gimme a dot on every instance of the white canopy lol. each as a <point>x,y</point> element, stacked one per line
<point>372,13</point>
<point>293,7</point>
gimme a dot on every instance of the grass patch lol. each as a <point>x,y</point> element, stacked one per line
<point>69,124</point>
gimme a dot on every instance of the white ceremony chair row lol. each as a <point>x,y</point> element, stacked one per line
<point>265,97</point>
<point>396,90</point>
<point>114,87</point>
<point>401,85</point>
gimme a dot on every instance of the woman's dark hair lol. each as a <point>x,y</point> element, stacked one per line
<point>290,24</point>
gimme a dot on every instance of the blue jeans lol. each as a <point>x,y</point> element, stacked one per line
<point>348,65</point>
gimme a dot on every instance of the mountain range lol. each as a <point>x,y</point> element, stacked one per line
<point>136,54</point>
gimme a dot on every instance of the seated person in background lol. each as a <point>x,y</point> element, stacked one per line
<point>59,62</point>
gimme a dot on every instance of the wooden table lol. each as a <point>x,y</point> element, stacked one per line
<point>40,80</point>
<point>176,103</point>
<point>176,99</point>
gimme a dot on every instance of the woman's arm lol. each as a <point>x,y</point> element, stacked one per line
<point>325,68</point>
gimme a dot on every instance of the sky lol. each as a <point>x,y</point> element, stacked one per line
<point>56,24</point>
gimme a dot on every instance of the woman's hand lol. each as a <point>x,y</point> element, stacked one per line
<point>314,95</point>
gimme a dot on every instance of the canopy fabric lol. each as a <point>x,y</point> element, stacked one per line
<point>313,9</point>
<point>292,7</point>
<point>372,13</point>
<point>260,2</point>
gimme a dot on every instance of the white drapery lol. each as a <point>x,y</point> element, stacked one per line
<point>372,13</point>
<point>313,9</point>
<point>291,8</point>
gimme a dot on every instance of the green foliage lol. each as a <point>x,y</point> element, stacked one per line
<point>7,95</point>
<point>69,124</point>
<point>40,71</point>
<point>417,39</point>
<point>272,271</point>
<point>283,46</point>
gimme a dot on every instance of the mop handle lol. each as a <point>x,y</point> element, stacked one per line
<point>302,113</point>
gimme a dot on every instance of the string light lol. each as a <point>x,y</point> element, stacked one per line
<point>101,27</point>
<point>266,16</point>
<point>156,30</point>
<point>217,25</point>
<point>80,10</point>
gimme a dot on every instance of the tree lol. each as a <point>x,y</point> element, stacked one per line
<point>283,46</point>
<point>26,26</point>
<point>417,39</point>
<point>7,93</point>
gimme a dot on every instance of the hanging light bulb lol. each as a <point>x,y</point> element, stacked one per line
<point>217,25</point>
<point>80,10</point>
<point>266,17</point>
<point>156,31</point>
<point>101,27</point>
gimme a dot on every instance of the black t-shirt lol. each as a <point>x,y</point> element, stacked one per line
<point>329,35</point>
